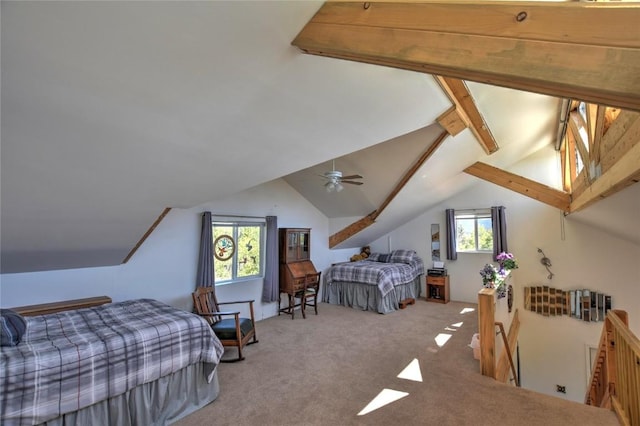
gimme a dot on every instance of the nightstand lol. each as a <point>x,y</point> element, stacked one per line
<point>437,289</point>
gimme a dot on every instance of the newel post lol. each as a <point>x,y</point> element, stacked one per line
<point>486,325</point>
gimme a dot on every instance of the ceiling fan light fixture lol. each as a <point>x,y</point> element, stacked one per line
<point>335,179</point>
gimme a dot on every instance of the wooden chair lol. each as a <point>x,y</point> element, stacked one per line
<point>309,295</point>
<point>234,331</point>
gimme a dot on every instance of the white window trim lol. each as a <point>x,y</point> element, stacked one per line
<point>473,214</point>
<point>237,221</point>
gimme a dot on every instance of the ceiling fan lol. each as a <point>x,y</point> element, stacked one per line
<point>335,179</point>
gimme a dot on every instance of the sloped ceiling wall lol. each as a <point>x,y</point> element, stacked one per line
<point>113,111</point>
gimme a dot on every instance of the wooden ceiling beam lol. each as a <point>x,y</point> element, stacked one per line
<point>412,171</point>
<point>368,220</point>
<point>352,229</point>
<point>459,94</point>
<point>595,120</point>
<point>619,162</point>
<point>556,48</point>
<point>521,185</point>
<point>453,121</point>
<point>575,124</point>
<point>625,172</point>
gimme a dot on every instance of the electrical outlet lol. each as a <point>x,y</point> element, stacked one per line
<point>561,389</point>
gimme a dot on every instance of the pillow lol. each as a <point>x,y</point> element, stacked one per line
<point>373,257</point>
<point>403,256</point>
<point>12,327</point>
<point>384,258</point>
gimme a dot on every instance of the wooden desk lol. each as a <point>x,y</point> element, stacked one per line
<point>64,305</point>
<point>293,277</point>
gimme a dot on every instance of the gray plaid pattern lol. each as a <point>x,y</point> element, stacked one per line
<point>73,359</point>
<point>384,275</point>
<point>403,256</point>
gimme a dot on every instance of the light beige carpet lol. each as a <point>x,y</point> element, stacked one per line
<point>325,369</point>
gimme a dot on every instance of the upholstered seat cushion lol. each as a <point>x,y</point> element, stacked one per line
<point>226,329</point>
<point>12,327</point>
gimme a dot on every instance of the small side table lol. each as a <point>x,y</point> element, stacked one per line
<point>437,289</point>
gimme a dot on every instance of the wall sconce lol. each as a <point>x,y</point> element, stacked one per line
<point>547,263</point>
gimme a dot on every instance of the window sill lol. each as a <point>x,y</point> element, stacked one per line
<point>239,281</point>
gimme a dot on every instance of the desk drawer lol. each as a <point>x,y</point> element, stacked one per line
<point>436,280</point>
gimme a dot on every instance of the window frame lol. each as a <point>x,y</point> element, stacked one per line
<point>235,224</point>
<point>475,215</point>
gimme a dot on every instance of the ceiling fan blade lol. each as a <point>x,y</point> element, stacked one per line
<point>351,182</point>
<point>352,177</point>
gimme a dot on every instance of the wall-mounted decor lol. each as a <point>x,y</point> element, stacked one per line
<point>583,304</point>
<point>546,262</point>
<point>223,247</point>
<point>435,241</point>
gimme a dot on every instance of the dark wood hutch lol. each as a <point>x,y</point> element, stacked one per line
<point>296,267</point>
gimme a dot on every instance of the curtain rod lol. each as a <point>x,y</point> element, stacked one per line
<point>238,216</point>
<point>488,209</point>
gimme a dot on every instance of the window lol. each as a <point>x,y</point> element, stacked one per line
<point>238,250</point>
<point>474,231</point>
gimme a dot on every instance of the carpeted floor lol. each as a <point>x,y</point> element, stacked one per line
<point>325,369</point>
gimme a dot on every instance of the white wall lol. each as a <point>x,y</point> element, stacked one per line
<point>552,349</point>
<point>164,267</point>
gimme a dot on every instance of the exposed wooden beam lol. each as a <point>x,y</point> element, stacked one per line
<point>620,127</point>
<point>521,185</point>
<point>453,121</point>
<point>412,171</point>
<point>617,144</point>
<point>146,234</point>
<point>566,166</point>
<point>557,48</point>
<point>368,220</point>
<point>596,116</point>
<point>625,172</point>
<point>576,123</point>
<point>459,94</point>
<point>352,229</point>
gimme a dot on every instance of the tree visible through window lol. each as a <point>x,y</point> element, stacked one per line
<point>246,246</point>
<point>474,231</point>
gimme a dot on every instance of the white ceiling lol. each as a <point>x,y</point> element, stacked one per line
<point>112,111</point>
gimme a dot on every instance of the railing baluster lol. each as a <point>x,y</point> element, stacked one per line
<point>618,371</point>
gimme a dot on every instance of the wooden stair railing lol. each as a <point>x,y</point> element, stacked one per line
<point>615,376</point>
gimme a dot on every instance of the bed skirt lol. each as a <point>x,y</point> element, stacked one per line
<point>367,297</point>
<point>161,402</point>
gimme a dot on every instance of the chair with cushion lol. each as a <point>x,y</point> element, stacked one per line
<point>309,295</point>
<point>232,331</point>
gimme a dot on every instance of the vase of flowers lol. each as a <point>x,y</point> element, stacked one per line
<point>496,277</point>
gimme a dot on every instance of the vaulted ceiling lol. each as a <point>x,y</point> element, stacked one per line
<point>114,111</point>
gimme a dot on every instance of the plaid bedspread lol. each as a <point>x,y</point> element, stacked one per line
<point>384,275</point>
<point>70,360</point>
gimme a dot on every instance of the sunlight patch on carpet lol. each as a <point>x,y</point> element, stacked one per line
<point>412,371</point>
<point>442,338</point>
<point>387,396</point>
<point>467,310</point>
<point>458,324</point>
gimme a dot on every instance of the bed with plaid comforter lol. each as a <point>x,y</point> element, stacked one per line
<point>384,275</point>
<point>71,360</point>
